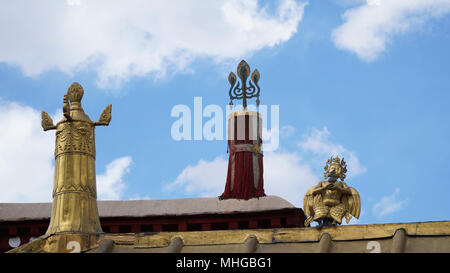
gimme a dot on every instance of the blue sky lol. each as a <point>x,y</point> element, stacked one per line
<point>367,80</point>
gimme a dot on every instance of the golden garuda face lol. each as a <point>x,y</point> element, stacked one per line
<point>335,167</point>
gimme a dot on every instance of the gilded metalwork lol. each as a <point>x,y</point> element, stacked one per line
<point>74,207</point>
<point>256,148</point>
<point>333,164</point>
<point>278,235</point>
<point>61,243</point>
<point>75,136</point>
<point>331,200</point>
<point>245,92</point>
<point>105,117</point>
<point>47,122</point>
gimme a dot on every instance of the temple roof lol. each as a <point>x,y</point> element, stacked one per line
<point>395,237</point>
<point>145,208</point>
<point>384,238</point>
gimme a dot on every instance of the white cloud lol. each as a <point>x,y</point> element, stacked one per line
<point>27,158</point>
<point>110,185</point>
<point>120,39</point>
<point>318,143</point>
<point>287,176</point>
<point>207,178</point>
<point>388,204</point>
<point>26,155</point>
<point>287,131</point>
<point>368,28</point>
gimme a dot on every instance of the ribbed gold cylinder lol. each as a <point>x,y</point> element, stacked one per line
<point>74,192</point>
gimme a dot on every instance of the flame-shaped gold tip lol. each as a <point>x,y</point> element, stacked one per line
<point>75,92</point>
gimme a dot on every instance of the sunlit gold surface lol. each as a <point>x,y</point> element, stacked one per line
<point>279,235</point>
<point>332,199</point>
<point>74,211</point>
<point>61,243</point>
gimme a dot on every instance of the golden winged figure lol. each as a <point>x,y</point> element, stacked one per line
<point>330,200</point>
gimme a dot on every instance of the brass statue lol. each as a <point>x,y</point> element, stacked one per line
<point>330,200</point>
<point>74,192</point>
<point>74,222</point>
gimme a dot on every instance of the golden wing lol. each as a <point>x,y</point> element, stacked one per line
<point>308,202</point>
<point>105,117</point>
<point>352,202</point>
<point>46,122</point>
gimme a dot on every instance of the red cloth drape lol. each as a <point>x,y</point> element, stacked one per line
<point>240,183</point>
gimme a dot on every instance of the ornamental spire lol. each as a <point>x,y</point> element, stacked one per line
<point>249,89</point>
<point>74,217</point>
<point>245,168</point>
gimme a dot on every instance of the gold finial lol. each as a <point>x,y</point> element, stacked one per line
<point>249,89</point>
<point>75,92</point>
<point>72,108</point>
<point>330,200</point>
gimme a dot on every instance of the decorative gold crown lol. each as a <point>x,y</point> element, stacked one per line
<point>336,161</point>
<point>75,92</point>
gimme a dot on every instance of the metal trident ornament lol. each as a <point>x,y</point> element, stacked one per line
<point>252,91</point>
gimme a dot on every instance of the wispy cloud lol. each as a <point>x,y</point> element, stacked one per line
<point>319,144</point>
<point>368,28</point>
<point>287,131</point>
<point>388,204</point>
<point>110,185</point>
<point>122,39</point>
<point>347,3</point>
<point>206,178</point>
<point>139,197</point>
